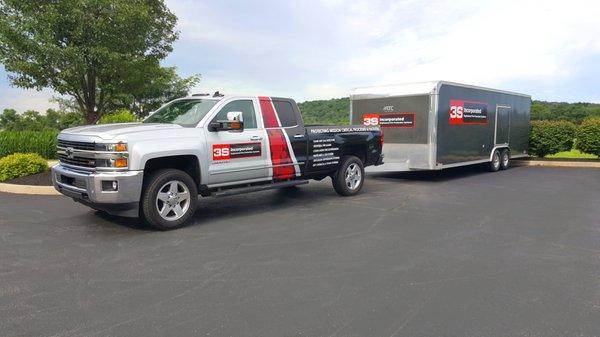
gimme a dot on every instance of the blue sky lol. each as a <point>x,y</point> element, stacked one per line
<point>321,49</point>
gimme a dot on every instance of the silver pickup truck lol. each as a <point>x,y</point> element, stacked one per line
<point>208,146</point>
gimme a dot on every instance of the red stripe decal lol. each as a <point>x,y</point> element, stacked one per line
<point>268,113</point>
<point>278,147</point>
<point>280,155</point>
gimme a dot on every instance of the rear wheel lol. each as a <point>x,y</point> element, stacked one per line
<point>169,199</point>
<point>494,165</point>
<point>349,177</point>
<point>504,159</point>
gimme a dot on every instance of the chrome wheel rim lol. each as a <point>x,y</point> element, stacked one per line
<point>353,176</point>
<point>505,160</point>
<point>496,160</point>
<point>173,200</point>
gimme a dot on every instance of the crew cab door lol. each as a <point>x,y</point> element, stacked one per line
<point>286,135</point>
<point>238,156</point>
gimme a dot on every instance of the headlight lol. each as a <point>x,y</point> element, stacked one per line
<point>117,147</point>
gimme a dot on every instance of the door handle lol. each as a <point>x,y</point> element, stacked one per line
<point>299,136</point>
<point>255,138</point>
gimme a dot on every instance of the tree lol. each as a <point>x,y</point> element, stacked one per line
<point>145,95</point>
<point>588,136</point>
<point>87,49</point>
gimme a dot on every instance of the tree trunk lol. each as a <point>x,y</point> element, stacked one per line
<point>91,115</point>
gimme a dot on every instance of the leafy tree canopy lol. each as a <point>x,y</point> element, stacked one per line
<point>102,53</point>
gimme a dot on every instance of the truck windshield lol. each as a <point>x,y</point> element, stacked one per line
<point>185,112</point>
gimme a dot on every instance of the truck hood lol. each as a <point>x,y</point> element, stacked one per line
<point>110,131</point>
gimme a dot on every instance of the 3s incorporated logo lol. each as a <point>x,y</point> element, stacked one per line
<point>235,151</point>
<point>391,120</point>
<point>467,112</point>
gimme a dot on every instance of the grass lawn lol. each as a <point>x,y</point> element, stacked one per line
<point>573,154</point>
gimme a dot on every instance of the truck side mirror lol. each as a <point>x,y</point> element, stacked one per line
<point>234,122</point>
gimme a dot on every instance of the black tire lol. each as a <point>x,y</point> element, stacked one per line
<point>494,165</point>
<point>163,181</point>
<point>504,159</point>
<point>350,165</point>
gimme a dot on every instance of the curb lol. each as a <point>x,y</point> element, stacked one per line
<point>28,189</point>
<point>556,163</point>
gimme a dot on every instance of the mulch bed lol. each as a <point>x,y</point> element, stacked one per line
<point>39,179</point>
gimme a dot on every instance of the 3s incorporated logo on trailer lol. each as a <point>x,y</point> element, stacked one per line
<point>234,151</point>
<point>467,112</point>
<point>391,120</point>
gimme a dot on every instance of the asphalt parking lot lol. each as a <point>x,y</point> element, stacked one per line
<point>458,253</point>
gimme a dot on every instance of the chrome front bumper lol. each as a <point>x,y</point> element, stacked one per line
<point>86,187</point>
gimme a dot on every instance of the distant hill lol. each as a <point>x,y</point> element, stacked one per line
<point>336,111</point>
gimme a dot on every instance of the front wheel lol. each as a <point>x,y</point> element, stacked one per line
<point>350,176</point>
<point>169,199</point>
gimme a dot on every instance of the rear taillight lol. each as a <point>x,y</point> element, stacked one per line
<point>381,139</point>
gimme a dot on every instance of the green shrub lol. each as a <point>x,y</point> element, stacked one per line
<point>40,142</point>
<point>549,137</point>
<point>21,164</point>
<point>588,136</point>
<point>119,116</point>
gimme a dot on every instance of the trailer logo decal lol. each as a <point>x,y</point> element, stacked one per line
<point>234,151</point>
<point>467,112</point>
<point>395,120</point>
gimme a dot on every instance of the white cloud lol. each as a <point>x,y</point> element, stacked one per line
<point>319,49</point>
<point>22,100</point>
<point>493,44</point>
<point>327,47</point>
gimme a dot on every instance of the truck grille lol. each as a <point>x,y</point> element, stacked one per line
<point>77,145</point>
<point>77,161</point>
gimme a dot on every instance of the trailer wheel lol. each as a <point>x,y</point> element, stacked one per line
<point>494,165</point>
<point>350,176</point>
<point>504,159</point>
<point>169,199</point>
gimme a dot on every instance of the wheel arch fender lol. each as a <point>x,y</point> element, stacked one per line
<point>498,148</point>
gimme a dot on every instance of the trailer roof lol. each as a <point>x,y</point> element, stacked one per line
<point>418,88</point>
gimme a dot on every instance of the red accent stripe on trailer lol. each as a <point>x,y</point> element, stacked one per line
<point>278,146</point>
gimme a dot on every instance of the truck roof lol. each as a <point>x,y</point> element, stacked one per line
<point>418,88</point>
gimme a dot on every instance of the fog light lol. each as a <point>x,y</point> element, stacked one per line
<point>110,185</point>
<point>121,162</point>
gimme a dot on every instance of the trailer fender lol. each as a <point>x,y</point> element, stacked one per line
<point>499,147</point>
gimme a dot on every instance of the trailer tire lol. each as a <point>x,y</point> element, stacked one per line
<point>494,165</point>
<point>350,176</point>
<point>175,204</point>
<point>504,159</point>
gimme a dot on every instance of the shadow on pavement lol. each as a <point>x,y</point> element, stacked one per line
<point>434,176</point>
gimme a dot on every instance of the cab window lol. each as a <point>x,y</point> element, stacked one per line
<point>286,113</point>
<point>247,109</point>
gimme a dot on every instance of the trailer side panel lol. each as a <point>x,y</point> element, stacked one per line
<point>471,122</point>
<point>405,124</point>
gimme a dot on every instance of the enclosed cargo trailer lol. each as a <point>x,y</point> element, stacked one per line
<point>437,125</point>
